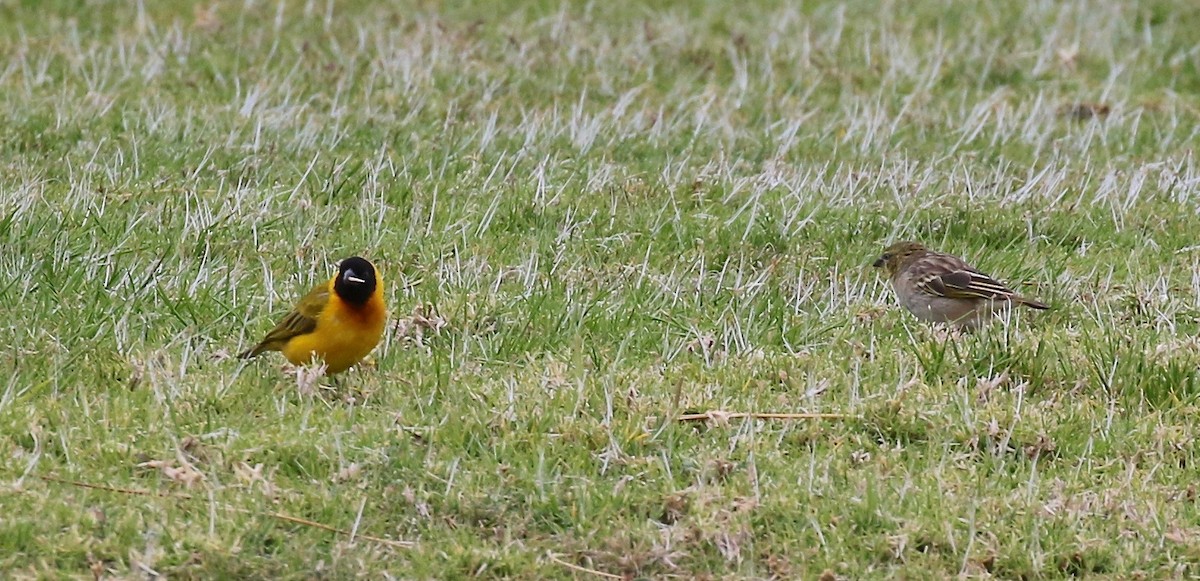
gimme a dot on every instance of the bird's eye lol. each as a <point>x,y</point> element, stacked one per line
<point>887,256</point>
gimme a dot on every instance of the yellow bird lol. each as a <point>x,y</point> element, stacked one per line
<point>338,322</point>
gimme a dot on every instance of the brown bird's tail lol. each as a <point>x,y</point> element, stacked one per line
<point>251,353</point>
<point>1030,303</point>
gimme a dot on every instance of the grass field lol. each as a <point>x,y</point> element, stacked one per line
<point>592,219</point>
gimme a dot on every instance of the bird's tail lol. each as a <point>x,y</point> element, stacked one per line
<point>1030,303</point>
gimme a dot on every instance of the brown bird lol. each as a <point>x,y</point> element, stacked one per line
<point>941,288</point>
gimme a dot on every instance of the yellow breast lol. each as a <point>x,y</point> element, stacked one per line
<point>344,334</point>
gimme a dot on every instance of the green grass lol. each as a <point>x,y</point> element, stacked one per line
<point>592,218</point>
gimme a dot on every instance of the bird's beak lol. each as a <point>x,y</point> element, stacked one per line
<point>351,277</point>
<point>879,262</point>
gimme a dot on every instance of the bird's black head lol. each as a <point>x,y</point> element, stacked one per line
<point>355,280</point>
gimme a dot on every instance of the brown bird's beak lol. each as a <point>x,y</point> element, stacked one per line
<point>879,262</point>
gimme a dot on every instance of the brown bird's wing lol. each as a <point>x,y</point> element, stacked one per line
<point>948,276</point>
<point>302,319</point>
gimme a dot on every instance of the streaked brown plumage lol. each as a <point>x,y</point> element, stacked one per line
<point>942,288</point>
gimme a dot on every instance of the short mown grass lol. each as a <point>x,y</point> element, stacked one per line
<point>591,219</point>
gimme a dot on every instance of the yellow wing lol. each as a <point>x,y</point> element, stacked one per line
<point>302,320</point>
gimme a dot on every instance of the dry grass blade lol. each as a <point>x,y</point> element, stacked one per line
<point>581,569</point>
<point>719,415</point>
<point>325,527</point>
<point>107,488</point>
<point>275,515</point>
